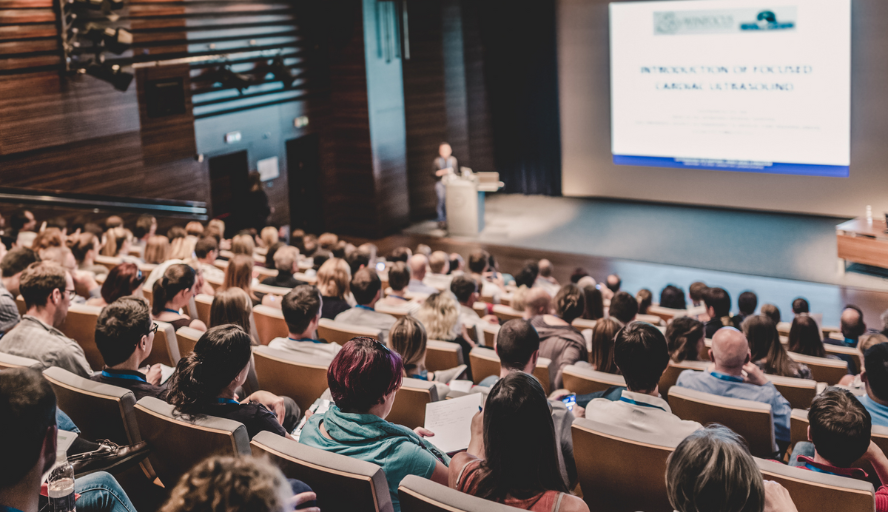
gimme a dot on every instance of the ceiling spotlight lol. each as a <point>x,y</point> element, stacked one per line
<point>281,72</point>
<point>116,40</point>
<point>115,75</point>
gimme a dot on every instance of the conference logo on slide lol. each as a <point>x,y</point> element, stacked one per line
<point>723,21</point>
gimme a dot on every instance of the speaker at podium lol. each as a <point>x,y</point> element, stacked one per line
<point>465,200</point>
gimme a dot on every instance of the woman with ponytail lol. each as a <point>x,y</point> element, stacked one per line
<point>172,292</point>
<point>206,384</point>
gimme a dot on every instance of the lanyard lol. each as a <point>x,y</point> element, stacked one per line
<point>126,376</point>
<point>423,375</point>
<point>368,308</point>
<point>727,378</point>
<point>171,310</point>
<point>305,339</point>
<point>640,404</point>
<point>399,297</point>
<point>227,401</point>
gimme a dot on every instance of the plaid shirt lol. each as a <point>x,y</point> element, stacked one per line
<point>34,339</point>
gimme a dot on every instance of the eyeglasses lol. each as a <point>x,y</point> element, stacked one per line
<point>69,294</point>
<point>381,344</point>
<point>153,329</point>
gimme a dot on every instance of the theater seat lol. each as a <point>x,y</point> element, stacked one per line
<point>108,261</point>
<point>270,323</point>
<point>670,376</point>
<point>582,380</point>
<point>484,363</point>
<point>820,491</point>
<point>186,338</point>
<point>442,355</point>
<point>80,326</point>
<point>750,419</point>
<point>8,361</point>
<point>490,331</point>
<point>397,312</point>
<point>841,351</point>
<point>506,313</point>
<point>340,332</point>
<point>149,295</point>
<point>20,304</point>
<point>341,483</point>
<point>302,378</point>
<point>651,319</point>
<point>422,495</point>
<point>166,348</point>
<point>410,403</point>
<point>204,304</point>
<point>273,290</point>
<point>798,392</point>
<point>666,314</point>
<point>177,443</point>
<point>582,323</point>
<point>823,369</point>
<point>619,469</point>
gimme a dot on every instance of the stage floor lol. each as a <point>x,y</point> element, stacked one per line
<point>652,245</point>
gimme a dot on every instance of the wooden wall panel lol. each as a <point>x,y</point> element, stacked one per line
<point>168,138</point>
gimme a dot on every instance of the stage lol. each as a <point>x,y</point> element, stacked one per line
<point>779,256</point>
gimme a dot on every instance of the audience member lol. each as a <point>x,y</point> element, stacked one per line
<point>333,282</point>
<point>641,354</point>
<point>695,292</point>
<point>85,248</point>
<point>117,244</point>
<point>85,284</point>
<point>225,484</point>
<point>804,337</point>
<point>695,484</point>
<point>544,277</point>
<point>124,279</point>
<point>28,442</point>
<point>22,225</point>
<point>423,249</point>
<point>501,465</point>
<point>439,315</point>
<point>182,248</point>
<point>239,274</point>
<point>771,311</point>
<point>171,293</point>
<point>409,340</point>
<point>206,381</point>
<point>800,307</point>
<point>718,308</point>
<point>672,297</point>
<point>852,327</point>
<point>479,268</point>
<point>157,250</point>
<point>868,340</point>
<point>602,356</point>
<point>684,337</point>
<point>457,264</point>
<point>736,376</point>
<point>559,340</point>
<point>114,221</point>
<point>439,265</point>
<point>398,279</point>
<point>206,250</point>
<point>418,264</point>
<point>577,274</point>
<point>124,337</point>
<point>364,378</point>
<point>145,228</point>
<point>465,289</point>
<point>243,244</point>
<point>645,298</point>
<point>362,257</point>
<point>271,250</point>
<point>302,313</point>
<point>328,241</point>
<point>746,303</point>
<point>268,236</point>
<point>612,285</point>
<point>233,306</point>
<point>286,261</point>
<point>623,307</point>
<point>839,434</point>
<point>47,290</point>
<point>875,380</point>
<point>401,254</point>
<point>594,303</point>
<point>49,237</point>
<point>317,260</point>
<point>537,301</point>
<point>12,266</point>
<point>528,274</point>
<point>766,350</point>
<point>366,288</point>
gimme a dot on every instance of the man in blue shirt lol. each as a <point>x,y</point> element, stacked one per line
<point>875,378</point>
<point>734,376</point>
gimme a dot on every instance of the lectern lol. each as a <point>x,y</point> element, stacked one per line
<point>465,200</point>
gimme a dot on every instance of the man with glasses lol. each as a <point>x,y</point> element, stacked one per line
<point>125,337</point>
<point>47,290</point>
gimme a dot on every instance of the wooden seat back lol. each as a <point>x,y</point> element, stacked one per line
<point>302,378</point>
<point>583,380</point>
<point>340,332</point>
<point>80,326</point>
<point>670,376</point>
<point>270,323</point>
<point>823,369</point>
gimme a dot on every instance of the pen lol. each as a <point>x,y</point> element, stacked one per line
<point>479,408</point>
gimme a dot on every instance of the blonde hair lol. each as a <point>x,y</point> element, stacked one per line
<point>333,278</point>
<point>438,261</point>
<point>867,341</point>
<point>215,228</point>
<point>49,237</point>
<point>115,238</point>
<point>285,258</point>
<point>408,338</point>
<point>183,248</point>
<point>243,244</point>
<point>194,228</point>
<point>231,484</point>
<point>157,250</point>
<point>602,355</point>
<point>239,274</point>
<point>232,306</point>
<point>439,313</point>
<point>269,236</point>
<point>328,241</point>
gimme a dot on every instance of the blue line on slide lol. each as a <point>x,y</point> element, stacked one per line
<point>832,171</point>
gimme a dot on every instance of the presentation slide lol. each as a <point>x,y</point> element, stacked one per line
<point>732,85</point>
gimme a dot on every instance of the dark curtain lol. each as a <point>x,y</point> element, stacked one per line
<point>521,73</point>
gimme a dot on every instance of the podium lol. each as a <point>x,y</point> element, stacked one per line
<point>465,201</point>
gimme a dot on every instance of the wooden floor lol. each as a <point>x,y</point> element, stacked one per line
<point>828,299</point>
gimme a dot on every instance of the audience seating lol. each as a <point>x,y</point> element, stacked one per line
<point>149,295</point>
<point>8,361</point>
<point>619,469</point>
<point>670,376</point>
<point>422,495</point>
<point>798,392</point>
<point>750,419</point>
<point>186,338</point>
<point>166,347</point>
<point>340,332</point>
<point>484,363</point>
<point>582,323</point>
<point>265,289</point>
<point>410,402</point>
<point>489,330</point>
<point>178,443</point>
<point>302,378</point>
<point>822,492</point>
<point>108,261</point>
<point>667,314</point>
<point>80,326</point>
<point>651,319</point>
<point>582,379</point>
<point>204,304</point>
<point>340,482</point>
<point>442,355</point>
<point>265,272</point>
<point>215,283</point>
<point>397,312</point>
<point>506,313</point>
<point>823,369</point>
<point>270,323</point>
<point>20,304</point>
<point>480,308</point>
<point>855,354</point>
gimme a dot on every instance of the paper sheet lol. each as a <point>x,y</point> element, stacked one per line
<point>451,421</point>
<point>463,386</point>
<point>320,406</point>
<point>166,372</point>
